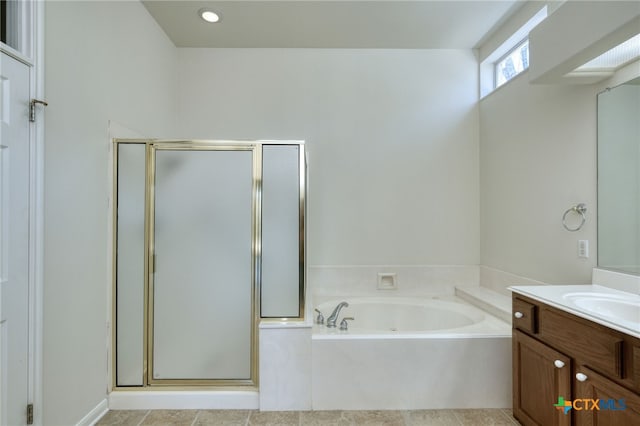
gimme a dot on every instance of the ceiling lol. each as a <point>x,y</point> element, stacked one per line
<point>451,24</point>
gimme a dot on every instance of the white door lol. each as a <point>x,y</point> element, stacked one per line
<point>14,238</point>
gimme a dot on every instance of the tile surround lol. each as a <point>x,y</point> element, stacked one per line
<point>489,301</point>
<point>475,417</point>
<point>327,281</point>
<point>421,280</point>
<point>374,373</point>
<point>498,281</point>
<point>285,368</point>
<point>617,280</point>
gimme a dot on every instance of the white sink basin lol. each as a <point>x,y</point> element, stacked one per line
<point>607,305</point>
<point>619,310</point>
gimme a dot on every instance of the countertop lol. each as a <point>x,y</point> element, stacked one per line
<point>564,297</point>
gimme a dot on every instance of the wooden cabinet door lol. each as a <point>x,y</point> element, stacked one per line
<point>617,406</point>
<point>540,376</point>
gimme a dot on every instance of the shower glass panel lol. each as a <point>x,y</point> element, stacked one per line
<point>281,231</point>
<point>130,254</point>
<point>202,283</point>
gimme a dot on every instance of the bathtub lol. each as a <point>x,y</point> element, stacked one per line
<point>410,317</point>
<point>411,353</point>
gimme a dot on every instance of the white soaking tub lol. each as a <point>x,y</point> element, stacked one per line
<point>411,353</point>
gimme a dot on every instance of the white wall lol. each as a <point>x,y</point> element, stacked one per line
<point>392,139</point>
<point>538,150</point>
<point>104,61</point>
<point>537,159</point>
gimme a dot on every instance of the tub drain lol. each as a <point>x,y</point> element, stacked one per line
<point>393,329</point>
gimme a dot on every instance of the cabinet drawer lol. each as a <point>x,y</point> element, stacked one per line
<point>524,315</point>
<point>594,346</point>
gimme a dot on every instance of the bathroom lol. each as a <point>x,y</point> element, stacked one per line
<point>412,170</point>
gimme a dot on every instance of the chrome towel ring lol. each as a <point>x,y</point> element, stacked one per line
<point>581,209</point>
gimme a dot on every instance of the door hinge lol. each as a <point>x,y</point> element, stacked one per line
<point>30,414</point>
<point>32,108</point>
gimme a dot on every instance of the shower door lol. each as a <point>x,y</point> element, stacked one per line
<point>202,263</point>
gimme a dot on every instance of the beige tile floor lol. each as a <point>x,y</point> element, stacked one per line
<point>476,417</point>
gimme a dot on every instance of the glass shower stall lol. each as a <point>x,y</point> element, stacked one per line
<point>209,239</point>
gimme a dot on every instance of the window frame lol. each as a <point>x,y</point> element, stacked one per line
<point>515,47</point>
<point>506,45</point>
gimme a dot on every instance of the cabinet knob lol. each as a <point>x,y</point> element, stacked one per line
<point>558,363</point>
<point>518,314</point>
<point>581,377</point>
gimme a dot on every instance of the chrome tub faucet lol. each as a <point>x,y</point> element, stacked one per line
<point>331,321</point>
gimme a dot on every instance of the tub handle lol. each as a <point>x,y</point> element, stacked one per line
<point>518,315</point>
<point>343,324</point>
<point>320,317</point>
<point>558,363</point>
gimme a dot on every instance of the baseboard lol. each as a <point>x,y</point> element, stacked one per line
<point>94,415</point>
<point>183,400</point>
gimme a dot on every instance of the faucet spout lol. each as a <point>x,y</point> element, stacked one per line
<point>331,321</point>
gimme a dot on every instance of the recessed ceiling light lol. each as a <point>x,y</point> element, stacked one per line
<point>209,15</point>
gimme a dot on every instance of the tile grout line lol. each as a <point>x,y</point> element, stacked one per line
<point>144,417</point>
<point>504,413</point>
<point>513,419</point>
<point>455,414</point>
<point>457,418</point>
<point>195,419</point>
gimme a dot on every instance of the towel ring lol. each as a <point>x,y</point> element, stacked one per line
<point>581,209</point>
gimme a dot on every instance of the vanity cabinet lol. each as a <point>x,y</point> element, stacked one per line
<point>559,355</point>
<point>540,374</point>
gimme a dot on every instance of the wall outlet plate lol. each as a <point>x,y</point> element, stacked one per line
<point>387,281</point>
<point>583,249</point>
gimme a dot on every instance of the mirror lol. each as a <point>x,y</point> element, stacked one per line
<point>619,178</point>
